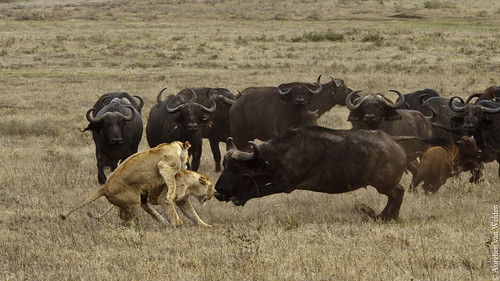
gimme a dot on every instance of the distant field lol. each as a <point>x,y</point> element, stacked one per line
<point>57,57</point>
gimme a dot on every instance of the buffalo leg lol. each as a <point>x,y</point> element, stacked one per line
<point>214,146</point>
<point>395,198</point>
<point>101,177</point>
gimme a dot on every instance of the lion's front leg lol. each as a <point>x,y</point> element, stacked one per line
<point>188,210</point>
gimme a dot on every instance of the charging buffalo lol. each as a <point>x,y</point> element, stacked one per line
<point>317,159</point>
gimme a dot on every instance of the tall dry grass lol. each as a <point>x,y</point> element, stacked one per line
<point>58,57</point>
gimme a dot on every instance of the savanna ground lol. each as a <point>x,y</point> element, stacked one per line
<point>57,57</point>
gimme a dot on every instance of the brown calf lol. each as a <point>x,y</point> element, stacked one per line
<point>438,164</point>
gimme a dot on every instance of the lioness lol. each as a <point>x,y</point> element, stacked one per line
<point>189,183</point>
<point>141,172</point>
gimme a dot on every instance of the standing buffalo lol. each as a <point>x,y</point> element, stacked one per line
<point>137,103</point>
<point>317,159</point>
<point>117,131</point>
<point>182,117</point>
<point>375,112</point>
<point>482,120</point>
<point>264,112</point>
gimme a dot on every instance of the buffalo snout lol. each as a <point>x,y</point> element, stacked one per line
<point>116,140</point>
<point>192,126</point>
<point>369,117</point>
<point>299,101</point>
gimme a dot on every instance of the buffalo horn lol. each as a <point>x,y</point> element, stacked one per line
<point>129,117</point>
<point>454,107</point>
<point>211,109</point>
<point>247,156</point>
<point>348,100</point>
<point>141,102</point>
<point>320,87</point>
<point>90,118</point>
<point>490,110</point>
<point>158,97</point>
<point>281,92</point>
<point>195,96</point>
<point>230,144</point>
<point>477,95</point>
<point>399,101</point>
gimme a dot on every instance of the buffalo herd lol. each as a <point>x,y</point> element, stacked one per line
<point>431,136</point>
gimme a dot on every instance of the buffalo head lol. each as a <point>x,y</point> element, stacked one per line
<point>370,111</point>
<point>109,121</point>
<point>244,174</point>
<point>475,116</point>
<point>189,115</point>
<point>297,93</point>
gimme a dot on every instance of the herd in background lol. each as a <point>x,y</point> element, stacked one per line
<point>431,136</point>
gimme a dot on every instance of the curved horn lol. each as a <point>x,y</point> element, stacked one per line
<point>334,82</point>
<point>90,118</point>
<point>247,156</point>
<point>399,102</point>
<point>348,100</point>
<point>158,97</point>
<point>281,91</point>
<point>319,78</point>
<point>211,109</point>
<point>105,100</point>
<point>195,96</point>
<point>490,110</point>
<point>453,106</point>
<point>129,117</point>
<point>172,110</point>
<point>320,87</point>
<point>422,98</point>
<point>477,95</point>
<point>230,144</point>
<point>141,102</point>
<point>433,112</point>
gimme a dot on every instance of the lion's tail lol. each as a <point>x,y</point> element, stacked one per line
<point>94,197</point>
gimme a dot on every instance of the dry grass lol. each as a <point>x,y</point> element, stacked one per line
<point>57,57</point>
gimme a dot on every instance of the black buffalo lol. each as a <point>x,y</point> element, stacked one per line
<point>264,112</point>
<point>317,159</point>
<point>376,112</point>
<point>136,101</point>
<point>481,120</point>
<point>180,118</point>
<point>117,131</point>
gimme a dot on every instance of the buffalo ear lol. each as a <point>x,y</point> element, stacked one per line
<point>355,115</point>
<point>392,115</point>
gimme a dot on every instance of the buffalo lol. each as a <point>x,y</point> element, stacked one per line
<point>376,112</point>
<point>117,131</point>
<point>482,121</point>
<point>317,159</point>
<point>264,112</point>
<point>180,118</point>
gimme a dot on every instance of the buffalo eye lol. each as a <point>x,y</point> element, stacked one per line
<point>233,165</point>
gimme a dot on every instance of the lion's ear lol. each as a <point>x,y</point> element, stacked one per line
<point>187,145</point>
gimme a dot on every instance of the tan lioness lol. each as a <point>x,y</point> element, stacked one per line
<point>189,184</point>
<point>141,172</point>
